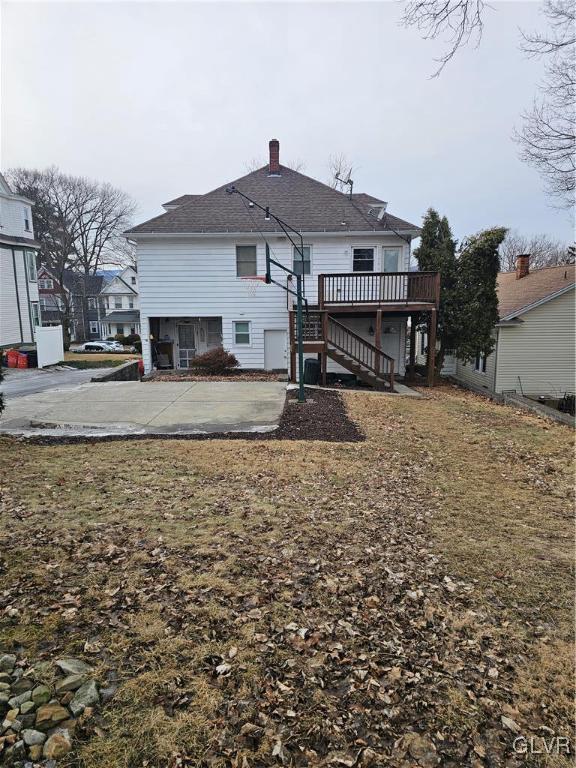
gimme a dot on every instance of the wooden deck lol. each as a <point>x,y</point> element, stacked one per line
<point>414,294</point>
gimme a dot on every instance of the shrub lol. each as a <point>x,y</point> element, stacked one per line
<point>216,361</point>
<point>131,339</point>
<point>120,337</point>
<point>138,346</point>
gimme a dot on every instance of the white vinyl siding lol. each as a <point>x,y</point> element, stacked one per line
<point>537,356</point>
<point>196,276</point>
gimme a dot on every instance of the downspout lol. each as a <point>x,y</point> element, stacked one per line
<point>17,295</point>
<point>28,297</point>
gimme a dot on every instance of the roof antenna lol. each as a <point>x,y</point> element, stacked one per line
<point>347,181</point>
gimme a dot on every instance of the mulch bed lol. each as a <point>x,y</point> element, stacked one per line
<point>322,417</point>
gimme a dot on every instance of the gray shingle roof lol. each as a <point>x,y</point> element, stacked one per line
<point>304,203</point>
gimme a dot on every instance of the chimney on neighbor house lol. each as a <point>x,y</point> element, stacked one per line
<point>522,265</point>
<point>274,166</point>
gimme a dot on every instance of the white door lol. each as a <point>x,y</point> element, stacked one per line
<point>275,350</point>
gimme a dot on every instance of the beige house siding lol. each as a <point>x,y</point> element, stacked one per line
<point>467,373</point>
<point>538,355</point>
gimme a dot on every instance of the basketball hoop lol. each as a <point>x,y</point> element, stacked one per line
<point>251,284</point>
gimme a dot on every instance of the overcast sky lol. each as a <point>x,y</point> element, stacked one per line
<point>165,98</point>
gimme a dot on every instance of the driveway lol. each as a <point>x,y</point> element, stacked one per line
<point>27,381</point>
<point>152,407</point>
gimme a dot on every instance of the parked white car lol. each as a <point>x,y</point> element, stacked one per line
<point>101,346</point>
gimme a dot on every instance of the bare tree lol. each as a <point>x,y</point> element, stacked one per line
<point>544,251</point>
<point>79,225</point>
<point>340,168</point>
<point>548,137</point>
<point>257,162</point>
<point>459,21</point>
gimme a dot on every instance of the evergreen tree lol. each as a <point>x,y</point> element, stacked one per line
<point>437,253</point>
<point>478,267</point>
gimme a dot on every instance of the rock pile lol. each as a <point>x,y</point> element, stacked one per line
<point>38,718</point>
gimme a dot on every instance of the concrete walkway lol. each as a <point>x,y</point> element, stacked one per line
<point>133,407</point>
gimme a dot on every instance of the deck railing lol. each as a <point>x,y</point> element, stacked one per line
<point>374,288</point>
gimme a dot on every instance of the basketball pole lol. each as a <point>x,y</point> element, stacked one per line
<point>287,229</point>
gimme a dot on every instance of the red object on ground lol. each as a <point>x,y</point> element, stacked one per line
<point>22,360</point>
<point>141,367</point>
<point>12,358</point>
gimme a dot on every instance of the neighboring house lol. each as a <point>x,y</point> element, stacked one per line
<point>80,293</point>
<point>120,302</point>
<point>19,307</point>
<point>201,264</point>
<point>535,338</point>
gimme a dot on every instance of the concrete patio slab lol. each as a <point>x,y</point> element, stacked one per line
<point>137,408</point>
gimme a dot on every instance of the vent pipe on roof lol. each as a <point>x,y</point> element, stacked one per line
<point>274,166</point>
<point>522,265</point>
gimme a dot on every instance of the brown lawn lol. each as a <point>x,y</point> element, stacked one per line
<point>380,603</point>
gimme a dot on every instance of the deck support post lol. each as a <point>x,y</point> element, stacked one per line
<point>378,339</point>
<point>412,365</point>
<point>432,346</point>
<point>324,355</point>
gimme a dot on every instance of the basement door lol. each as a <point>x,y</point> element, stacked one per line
<point>275,351</point>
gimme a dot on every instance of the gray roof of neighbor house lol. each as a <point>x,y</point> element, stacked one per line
<point>304,203</point>
<point>515,295</point>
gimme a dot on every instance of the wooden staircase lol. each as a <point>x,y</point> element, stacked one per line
<point>370,364</point>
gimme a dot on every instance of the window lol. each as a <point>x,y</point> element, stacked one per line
<point>94,328</point>
<point>241,332</point>
<point>246,261</point>
<point>46,284</point>
<point>119,330</point>
<point>30,258</point>
<point>131,303</point>
<point>26,219</point>
<point>35,313</point>
<point>91,303</point>
<point>117,302</point>
<point>301,266</point>
<point>390,259</point>
<point>480,364</point>
<point>133,330</point>
<point>214,332</point>
<point>133,280</point>
<point>363,260</point>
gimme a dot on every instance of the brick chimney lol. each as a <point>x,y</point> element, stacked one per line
<point>274,167</point>
<point>522,265</point>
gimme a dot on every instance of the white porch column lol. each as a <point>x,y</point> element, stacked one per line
<point>146,344</point>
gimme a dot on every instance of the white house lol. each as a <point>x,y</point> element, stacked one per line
<point>535,338</point>
<point>120,302</point>
<point>201,264</point>
<point>19,307</point>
